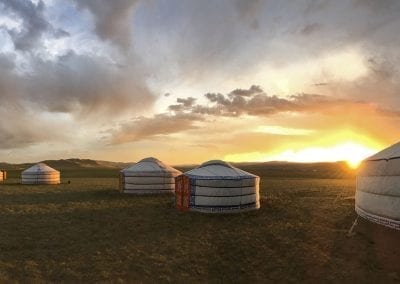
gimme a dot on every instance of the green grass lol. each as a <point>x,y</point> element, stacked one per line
<point>87,231</point>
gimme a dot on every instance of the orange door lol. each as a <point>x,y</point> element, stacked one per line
<point>182,192</point>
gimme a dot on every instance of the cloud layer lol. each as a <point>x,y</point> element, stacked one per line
<point>74,71</point>
<point>44,70</point>
<point>254,102</point>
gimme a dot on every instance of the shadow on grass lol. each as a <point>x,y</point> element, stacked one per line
<point>371,255</point>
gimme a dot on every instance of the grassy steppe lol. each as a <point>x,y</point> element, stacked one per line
<point>87,231</point>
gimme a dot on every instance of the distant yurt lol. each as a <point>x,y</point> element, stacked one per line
<point>148,176</point>
<point>40,174</point>
<point>217,187</point>
<point>378,188</point>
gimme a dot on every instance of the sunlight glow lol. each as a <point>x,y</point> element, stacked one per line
<point>351,152</point>
<point>279,130</point>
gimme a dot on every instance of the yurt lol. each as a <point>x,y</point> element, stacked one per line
<point>148,176</point>
<point>217,187</point>
<point>40,174</point>
<point>378,188</point>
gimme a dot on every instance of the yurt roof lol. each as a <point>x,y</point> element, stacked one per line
<point>150,165</point>
<point>40,168</point>
<point>218,169</point>
<point>387,154</point>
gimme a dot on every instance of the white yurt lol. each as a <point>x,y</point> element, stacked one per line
<point>217,187</point>
<point>148,176</point>
<point>40,174</point>
<point>378,188</point>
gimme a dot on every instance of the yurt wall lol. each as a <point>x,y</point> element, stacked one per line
<point>148,176</point>
<point>217,187</point>
<point>378,188</point>
<point>40,174</point>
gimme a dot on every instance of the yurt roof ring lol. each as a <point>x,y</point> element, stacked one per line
<point>154,160</point>
<point>216,163</point>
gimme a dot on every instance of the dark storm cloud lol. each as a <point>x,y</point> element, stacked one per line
<point>213,39</point>
<point>78,84</point>
<point>20,130</point>
<point>20,126</point>
<point>34,23</point>
<point>84,85</point>
<point>113,19</point>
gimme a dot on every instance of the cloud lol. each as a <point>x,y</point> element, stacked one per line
<point>246,93</point>
<point>249,10</point>
<point>112,19</point>
<point>182,104</point>
<point>98,62</point>
<point>34,23</point>
<point>77,84</point>
<point>19,130</point>
<point>43,69</point>
<point>85,84</point>
<point>379,86</point>
<point>254,101</point>
<point>327,112</point>
<point>310,29</point>
<point>142,128</point>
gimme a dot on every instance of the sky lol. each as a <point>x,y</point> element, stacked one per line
<point>188,81</point>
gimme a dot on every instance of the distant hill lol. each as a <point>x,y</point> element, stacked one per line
<point>73,163</point>
<point>267,169</point>
<point>294,170</point>
<point>300,170</point>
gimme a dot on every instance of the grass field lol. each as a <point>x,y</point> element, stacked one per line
<point>87,231</point>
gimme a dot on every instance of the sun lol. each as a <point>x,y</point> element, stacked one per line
<point>353,164</point>
<point>353,153</point>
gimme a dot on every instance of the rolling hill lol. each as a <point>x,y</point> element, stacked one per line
<point>266,169</point>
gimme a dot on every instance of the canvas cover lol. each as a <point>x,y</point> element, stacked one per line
<point>148,176</point>
<point>378,188</point>
<point>217,187</point>
<point>40,174</point>
<point>216,169</point>
<point>388,153</point>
